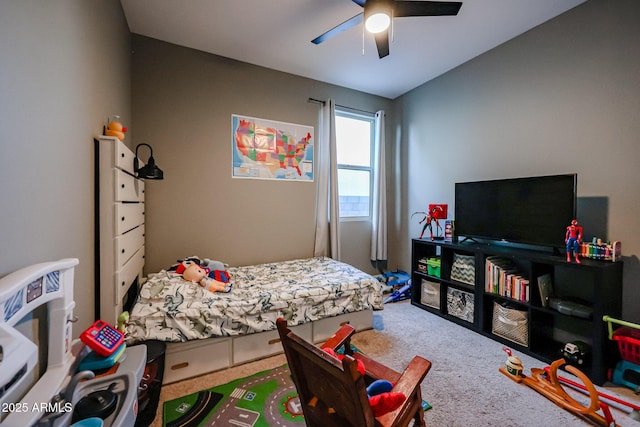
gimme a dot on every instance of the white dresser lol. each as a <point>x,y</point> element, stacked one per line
<point>119,216</point>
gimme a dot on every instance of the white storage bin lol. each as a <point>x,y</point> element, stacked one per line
<point>430,294</point>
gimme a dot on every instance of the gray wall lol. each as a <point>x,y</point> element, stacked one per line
<point>65,67</point>
<point>562,98</point>
<point>183,100</point>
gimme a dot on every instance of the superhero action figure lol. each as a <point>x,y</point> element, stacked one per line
<point>435,213</point>
<point>573,239</point>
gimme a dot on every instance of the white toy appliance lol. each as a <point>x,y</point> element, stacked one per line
<point>40,385</point>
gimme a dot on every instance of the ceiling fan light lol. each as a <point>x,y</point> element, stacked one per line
<point>377,22</point>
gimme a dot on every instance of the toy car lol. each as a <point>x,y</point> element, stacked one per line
<point>576,352</point>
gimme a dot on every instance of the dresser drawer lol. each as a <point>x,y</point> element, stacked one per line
<point>128,216</point>
<point>124,157</point>
<point>128,244</point>
<point>128,188</point>
<point>126,275</point>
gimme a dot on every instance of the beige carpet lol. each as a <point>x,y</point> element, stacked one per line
<point>464,385</point>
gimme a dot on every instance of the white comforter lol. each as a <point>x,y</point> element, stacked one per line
<point>172,309</point>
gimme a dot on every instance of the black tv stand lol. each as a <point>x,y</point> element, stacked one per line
<point>598,284</point>
<point>464,239</point>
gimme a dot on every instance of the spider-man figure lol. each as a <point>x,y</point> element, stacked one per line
<point>432,216</point>
<point>573,239</point>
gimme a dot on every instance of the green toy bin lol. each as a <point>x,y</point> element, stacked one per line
<point>433,267</point>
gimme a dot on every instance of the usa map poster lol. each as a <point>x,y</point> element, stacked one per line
<point>267,149</point>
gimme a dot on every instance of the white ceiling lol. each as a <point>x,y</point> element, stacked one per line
<point>277,34</point>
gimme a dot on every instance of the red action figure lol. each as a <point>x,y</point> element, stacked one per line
<point>573,239</point>
<point>436,212</point>
<point>427,224</point>
<point>432,216</point>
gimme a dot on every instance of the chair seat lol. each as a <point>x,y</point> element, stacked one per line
<point>333,392</point>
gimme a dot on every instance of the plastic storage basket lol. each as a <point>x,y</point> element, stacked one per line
<point>627,336</point>
<point>629,343</point>
<point>433,267</point>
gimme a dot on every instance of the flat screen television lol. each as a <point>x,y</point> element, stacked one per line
<point>532,210</point>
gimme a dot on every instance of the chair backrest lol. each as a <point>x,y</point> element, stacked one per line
<point>332,392</point>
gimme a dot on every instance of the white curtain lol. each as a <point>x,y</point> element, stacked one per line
<point>327,241</point>
<point>379,214</point>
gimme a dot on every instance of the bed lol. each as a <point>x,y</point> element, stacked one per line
<point>315,295</point>
<point>209,331</point>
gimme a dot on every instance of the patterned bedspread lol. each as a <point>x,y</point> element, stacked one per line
<point>171,309</point>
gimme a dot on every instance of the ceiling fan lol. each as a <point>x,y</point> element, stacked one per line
<point>378,14</point>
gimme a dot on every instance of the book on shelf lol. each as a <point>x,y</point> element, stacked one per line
<point>503,278</point>
<point>545,286</point>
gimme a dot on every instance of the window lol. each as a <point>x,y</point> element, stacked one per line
<point>354,142</point>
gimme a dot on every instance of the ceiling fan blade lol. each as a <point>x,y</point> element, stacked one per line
<point>349,23</point>
<point>426,8</point>
<point>382,42</point>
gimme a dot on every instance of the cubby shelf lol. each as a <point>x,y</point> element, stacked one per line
<point>595,284</point>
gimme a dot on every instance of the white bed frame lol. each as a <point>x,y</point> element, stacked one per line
<point>120,255</point>
<point>192,358</point>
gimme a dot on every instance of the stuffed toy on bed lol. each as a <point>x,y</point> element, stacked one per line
<point>193,272</point>
<point>217,269</point>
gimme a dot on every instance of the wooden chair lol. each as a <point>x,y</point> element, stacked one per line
<point>333,393</point>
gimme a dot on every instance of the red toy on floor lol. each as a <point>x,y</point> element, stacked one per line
<point>381,398</point>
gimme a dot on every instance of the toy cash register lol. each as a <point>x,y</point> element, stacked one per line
<point>102,338</point>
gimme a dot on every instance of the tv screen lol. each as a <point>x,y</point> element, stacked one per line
<point>532,210</point>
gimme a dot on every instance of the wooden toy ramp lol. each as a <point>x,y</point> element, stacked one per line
<point>546,382</point>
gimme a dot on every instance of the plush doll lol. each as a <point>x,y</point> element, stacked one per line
<point>381,398</point>
<point>216,270</point>
<point>213,265</point>
<point>196,274</point>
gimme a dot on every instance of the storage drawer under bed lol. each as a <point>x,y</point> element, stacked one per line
<point>189,359</point>
<point>323,329</point>
<point>194,358</point>
<point>263,344</point>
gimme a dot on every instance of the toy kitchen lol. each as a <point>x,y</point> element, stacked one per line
<point>48,379</point>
